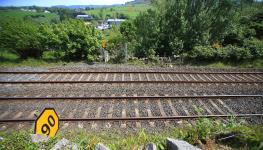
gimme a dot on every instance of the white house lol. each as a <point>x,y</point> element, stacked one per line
<point>103,27</point>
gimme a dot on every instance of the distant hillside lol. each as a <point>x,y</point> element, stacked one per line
<point>129,10</point>
<point>139,2</point>
<point>84,6</point>
<point>28,15</point>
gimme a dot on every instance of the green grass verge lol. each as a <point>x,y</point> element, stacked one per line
<point>255,64</point>
<point>8,59</point>
<point>205,131</point>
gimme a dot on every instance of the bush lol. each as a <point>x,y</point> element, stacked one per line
<point>255,47</point>
<point>233,53</point>
<point>202,53</point>
<point>77,40</point>
<point>22,37</point>
<point>116,45</point>
<point>228,53</point>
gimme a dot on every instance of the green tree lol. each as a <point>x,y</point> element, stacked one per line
<point>72,37</point>
<point>102,13</point>
<point>147,29</point>
<point>21,37</point>
<point>127,29</point>
<point>115,43</point>
<point>193,23</point>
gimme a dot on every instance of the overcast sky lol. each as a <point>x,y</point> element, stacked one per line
<point>59,2</point>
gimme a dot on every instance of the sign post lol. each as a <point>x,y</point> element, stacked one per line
<point>47,123</point>
<point>104,44</point>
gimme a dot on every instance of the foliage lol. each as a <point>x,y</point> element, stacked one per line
<point>22,37</point>
<point>127,29</point>
<point>115,41</point>
<point>248,137</point>
<point>192,23</point>
<point>65,13</point>
<point>77,40</point>
<point>228,53</point>
<point>202,53</point>
<point>20,140</point>
<point>233,53</point>
<point>146,33</point>
<point>255,46</point>
<point>72,38</point>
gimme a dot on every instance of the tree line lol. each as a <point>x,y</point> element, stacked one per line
<point>229,30</point>
<point>69,39</point>
<point>225,30</point>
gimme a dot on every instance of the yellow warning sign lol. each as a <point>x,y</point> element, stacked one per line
<point>47,123</point>
<point>104,43</point>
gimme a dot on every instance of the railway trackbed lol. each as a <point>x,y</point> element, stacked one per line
<point>132,99</point>
<point>145,111</point>
<point>129,77</point>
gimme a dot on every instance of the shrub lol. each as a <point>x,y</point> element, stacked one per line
<point>77,40</point>
<point>255,47</point>
<point>233,53</point>
<point>116,44</point>
<point>202,53</point>
<point>22,37</point>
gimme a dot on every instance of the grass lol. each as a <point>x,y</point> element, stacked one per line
<point>130,10</point>
<point>205,131</point>
<point>255,64</point>
<point>19,14</point>
<point>8,59</point>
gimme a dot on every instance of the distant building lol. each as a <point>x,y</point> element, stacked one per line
<point>116,22</point>
<point>46,11</point>
<point>103,27</point>
<point>32,10</point>
<point>84,17</point>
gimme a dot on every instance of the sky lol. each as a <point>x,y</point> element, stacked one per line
<point>59,2</point>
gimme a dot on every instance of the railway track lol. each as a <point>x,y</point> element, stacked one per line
<point>130,77</point>
<point>135,109</point>
<point>132,97</point>
<point>138,118</point>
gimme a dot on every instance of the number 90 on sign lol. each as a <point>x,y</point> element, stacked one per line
<point>47,123</point>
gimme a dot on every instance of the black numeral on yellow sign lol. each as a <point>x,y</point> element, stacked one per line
<point>46,127</point>
<point>47,123</point>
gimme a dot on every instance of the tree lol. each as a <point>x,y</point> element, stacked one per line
<point>21,37</point>
<point>147,29</point>
<point>77,40</point>
<point>102,13</point>
<point>192,23</point>
<point>127,29</point>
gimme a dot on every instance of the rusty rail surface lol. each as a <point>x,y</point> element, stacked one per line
<point>138,118</point>
<point>111,82</point>
<point>132,97</point>
<point>124,72</point>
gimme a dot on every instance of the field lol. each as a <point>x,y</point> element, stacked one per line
<point>130,10</point>
<point>19,14</point>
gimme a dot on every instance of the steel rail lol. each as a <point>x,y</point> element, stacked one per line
<point>139,118</point>
<point>124,72</point>
<point>111,82</point>
<point>132,97</point>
